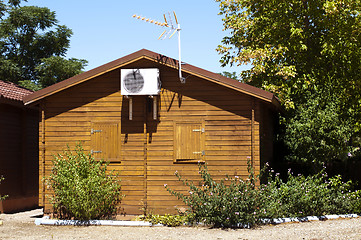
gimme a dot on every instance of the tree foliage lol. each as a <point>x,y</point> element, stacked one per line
<point>30,37</point>
<point>55,69</point>
<point>308,53</point>
<point>317,131</point>
<point>232,75</point>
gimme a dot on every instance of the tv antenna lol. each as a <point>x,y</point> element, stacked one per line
<point>170,22</point>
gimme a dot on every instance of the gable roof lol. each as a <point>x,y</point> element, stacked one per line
<point>12,91</point>
<point>161,59</point>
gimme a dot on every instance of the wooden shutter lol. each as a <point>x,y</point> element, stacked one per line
<point>105,141</point>
<point>188,142</point>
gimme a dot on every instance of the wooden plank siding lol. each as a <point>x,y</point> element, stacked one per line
<point>146,149</point>
<point>19,149</point>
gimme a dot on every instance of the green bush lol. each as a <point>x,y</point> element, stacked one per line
<point>301,196</point>
<point>234,202</point>
<point>226,203</point>
<point>298,196</point>
<point>342,198</point>
<point>167,219</point>
<point>2,197</point>
<point>83,189</point>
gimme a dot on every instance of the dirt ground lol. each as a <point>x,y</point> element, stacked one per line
<point>22,226</point>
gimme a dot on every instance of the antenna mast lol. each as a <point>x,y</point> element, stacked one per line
<point>168,22</point>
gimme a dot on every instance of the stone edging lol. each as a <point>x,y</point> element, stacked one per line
<point>46,221</point>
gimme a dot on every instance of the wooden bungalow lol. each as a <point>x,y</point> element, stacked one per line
<point>18,149</point>
<point>148,136</point>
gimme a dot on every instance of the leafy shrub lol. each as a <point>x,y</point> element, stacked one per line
<point>167,219</point>
<point>298,196</point>
<point>2,197</point>
<point>82,187</point>
<point>226,203</point>
<point>342,198</point>
<point>234,202</point>
<point>307,196</point>
<point>356,197</point>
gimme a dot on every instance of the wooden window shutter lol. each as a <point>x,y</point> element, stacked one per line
<point>188,142</point>
<point>105,141</point>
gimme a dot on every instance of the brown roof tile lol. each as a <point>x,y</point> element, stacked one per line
<point>12,91</point>
<point>161,59</point>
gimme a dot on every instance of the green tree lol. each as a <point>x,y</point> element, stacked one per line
<point>30,36</point>
<point>232,75</point>
<point>316,131</point>
<point>55,69</point>
<point>301,50</point>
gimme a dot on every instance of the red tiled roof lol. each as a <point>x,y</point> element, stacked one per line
<point>12,91</point>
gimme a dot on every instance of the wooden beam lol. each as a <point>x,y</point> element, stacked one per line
<point>145,184</point>
<point>155,107</point>
<point>252,132</point>
<point>130,108</point>
<point>42,147</point>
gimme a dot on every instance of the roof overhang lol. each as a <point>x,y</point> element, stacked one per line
<point>160,59</point>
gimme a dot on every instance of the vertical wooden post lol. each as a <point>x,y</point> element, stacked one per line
<point>155,108</point>
<point>42,147</point>
<point>252,133</point>
<point>145,152</point>
<point>130,108</point>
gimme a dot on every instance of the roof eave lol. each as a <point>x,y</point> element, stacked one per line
<point>210,76</point>
<point>161,59</point>
<point>80,78</point>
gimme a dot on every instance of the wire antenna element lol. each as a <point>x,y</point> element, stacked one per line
<point>173,28</point>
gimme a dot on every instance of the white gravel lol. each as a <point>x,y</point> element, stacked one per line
<point>22,226</point>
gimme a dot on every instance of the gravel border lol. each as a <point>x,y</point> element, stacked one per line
<point>55,222</point>
<point>20,226</point>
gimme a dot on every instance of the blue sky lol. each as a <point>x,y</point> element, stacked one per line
<point>105,30</point>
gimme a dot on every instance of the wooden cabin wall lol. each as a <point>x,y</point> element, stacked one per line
<point>145,153</point>
<point>68,117</point>
<point>30,155</point>
<point>10,144</point>
<point>18,159</point>
<point>225,115</point>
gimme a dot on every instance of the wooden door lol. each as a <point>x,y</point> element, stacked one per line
<point>188,142</point>
<point>105,141</point>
